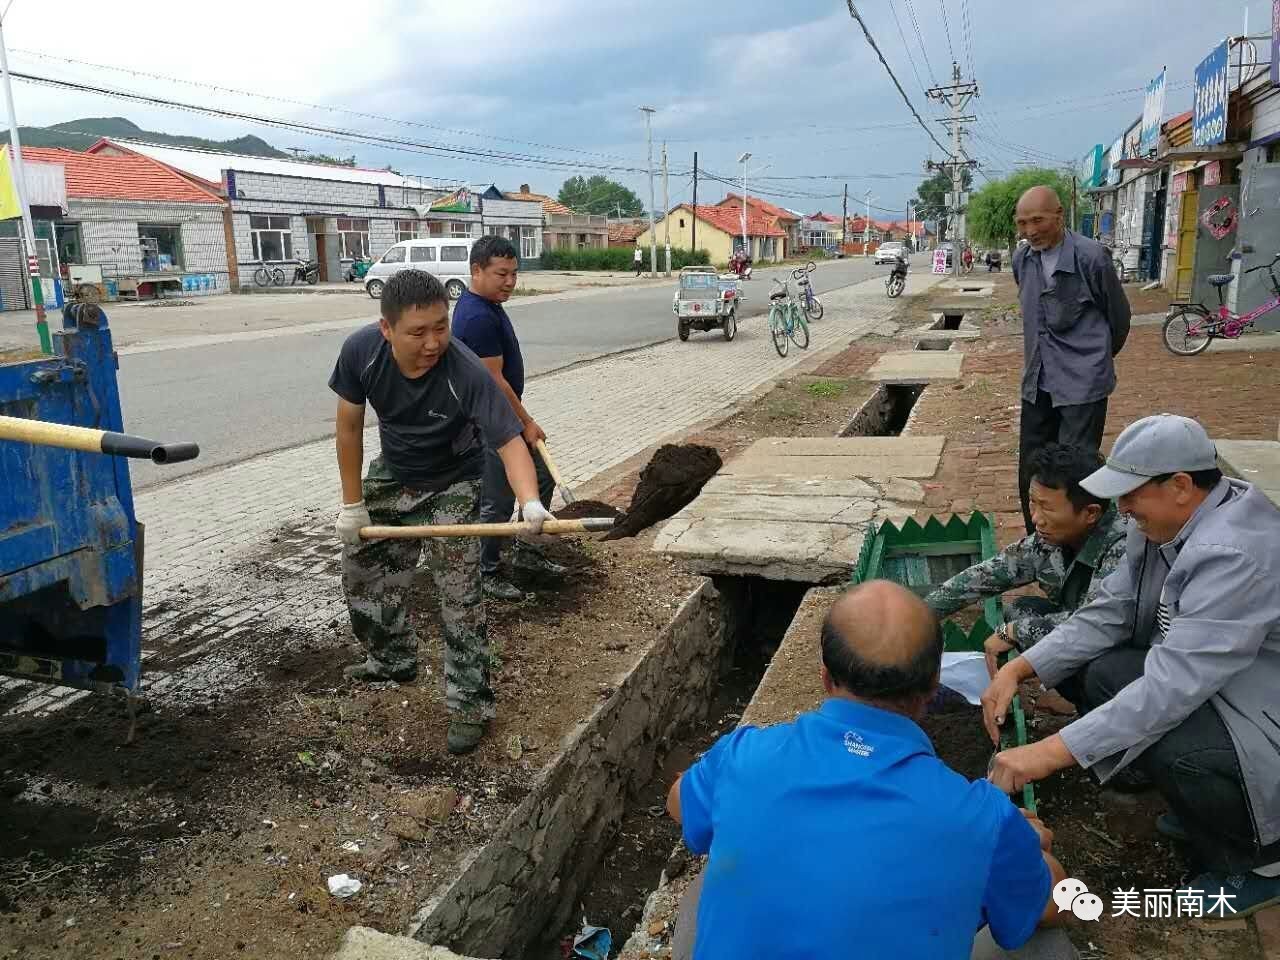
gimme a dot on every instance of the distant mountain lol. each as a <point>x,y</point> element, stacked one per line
<point>82,134</point>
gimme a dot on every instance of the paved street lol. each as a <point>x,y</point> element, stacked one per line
<point>247,390</point>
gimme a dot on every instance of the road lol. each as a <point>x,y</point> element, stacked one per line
<point>242,397</point>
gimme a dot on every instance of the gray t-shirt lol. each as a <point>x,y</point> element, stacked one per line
<point>1049,263</point>
<point>432,427</point>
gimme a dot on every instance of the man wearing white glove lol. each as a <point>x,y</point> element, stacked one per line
<point>435,403</point>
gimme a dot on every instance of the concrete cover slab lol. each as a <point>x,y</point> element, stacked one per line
<point>1257,461</point>
<point>915,366</point>
<point>792,550</point>
<point>867,468</point>
<point>788,485</point>
<point>840,447</point>
<point>812,509</point>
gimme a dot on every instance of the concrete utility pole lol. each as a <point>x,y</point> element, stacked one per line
<point>693,243</point>
<point>666,209</point>
<point>844,218</point>
<point>866,225</point>
<point>20,191</point>
<point>956,95</point>
<point>653,233</point>
<point>746,247</point>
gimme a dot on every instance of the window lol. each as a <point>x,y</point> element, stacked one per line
<point>70,242</point>
<point>161,247</point>
<point>529,243</point>
<point>682,223</point>
<point>1273,152</point>
<point>406,230</point>
<point>394,255</point>
<point>459,229</point>
<point>454,254</point>
<point>354,234</point>
<point>422,254</point>
<point>272,238</point>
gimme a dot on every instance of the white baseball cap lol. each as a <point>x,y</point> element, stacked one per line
<point>1151,447</point>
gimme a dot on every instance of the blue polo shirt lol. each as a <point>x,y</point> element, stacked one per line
<point>843,834</point>
<point>485,327</point>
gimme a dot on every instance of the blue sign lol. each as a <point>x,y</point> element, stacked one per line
<point>1209,120</point>
<point>1152,114</point>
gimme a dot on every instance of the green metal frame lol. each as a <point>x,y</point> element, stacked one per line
<point>921,557</point>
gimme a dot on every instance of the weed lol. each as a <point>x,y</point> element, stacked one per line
<point>826,389</point>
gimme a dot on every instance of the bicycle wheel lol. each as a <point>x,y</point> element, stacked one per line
<point>777,329</point>
<point>277,277</point>
<point>813,308</point>
<point>799,331</point>
<point>1186,332</point>
<point>262,277</point>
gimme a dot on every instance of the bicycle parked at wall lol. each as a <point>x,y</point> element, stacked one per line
<point>809,301</point>
<point>1191,327</point>
<point>266,276</point>
<point>786,320</point>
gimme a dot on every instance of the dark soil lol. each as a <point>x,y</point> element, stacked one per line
<point>670,482</point>
<point>582,509</point>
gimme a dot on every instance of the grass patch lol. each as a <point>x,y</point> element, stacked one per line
<point>530,292</point>
<point>826,389</point>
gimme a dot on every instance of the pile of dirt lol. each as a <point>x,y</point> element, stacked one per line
<point>582,509</point>
<point>668,483</point>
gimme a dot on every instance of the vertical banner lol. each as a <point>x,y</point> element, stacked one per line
<point>1209,120</point>
<point>1152,114</point>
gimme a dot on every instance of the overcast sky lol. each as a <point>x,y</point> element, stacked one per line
<point>793,82</point>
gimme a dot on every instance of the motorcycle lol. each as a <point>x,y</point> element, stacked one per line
<point>358,269</point>
<point>741,266</point>
<point>308,272</point>
<point>896,282</point>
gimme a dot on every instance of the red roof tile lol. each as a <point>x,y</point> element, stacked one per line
<point>729,220</point>
<point>764,206</point>
<point>625,232</point>
<point>128,177</point>
<point>549,204</point>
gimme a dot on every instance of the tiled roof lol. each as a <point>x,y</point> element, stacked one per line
<point>95,177</point>
<point>625,232</point>
<point>549,204</point>
<point>764,206</point>
<point>729,220</point>
<point>824,217</point>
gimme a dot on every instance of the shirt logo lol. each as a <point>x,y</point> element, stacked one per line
<point>856,745</point>
<point>438,416</point>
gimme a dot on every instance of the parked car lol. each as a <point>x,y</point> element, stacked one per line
<point>890,250</point>
<point>447,258</point>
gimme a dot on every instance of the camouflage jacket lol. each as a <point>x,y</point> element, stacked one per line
<point>1068,584</point>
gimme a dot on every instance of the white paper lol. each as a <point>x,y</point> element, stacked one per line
<point>343,886</point>
<point>966,674</point>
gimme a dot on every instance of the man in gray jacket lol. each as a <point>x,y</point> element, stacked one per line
<point>1175,665</point>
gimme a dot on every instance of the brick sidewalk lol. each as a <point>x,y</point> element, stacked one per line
<point>250,548</point>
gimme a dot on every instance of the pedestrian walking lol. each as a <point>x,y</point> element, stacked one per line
<point>1075,319</point>
<point>639,260</point>
<point>480,322</point>
<point>436,402</point>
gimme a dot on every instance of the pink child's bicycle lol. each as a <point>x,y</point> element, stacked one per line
<point>1191,327</point>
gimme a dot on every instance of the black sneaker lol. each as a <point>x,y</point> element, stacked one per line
<point>526,559</point>
<point>499,589</point>
<point>373,671</point>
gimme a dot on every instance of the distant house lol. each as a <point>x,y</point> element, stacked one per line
<point>786,221</point>
<point>520,221</point>
<point>623,233</point>
<point>562,229</point>
<point>720,232</point>
<point>820,230</point>
<point>123,220</point>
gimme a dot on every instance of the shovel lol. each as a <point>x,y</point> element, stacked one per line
<point>521,528</point>
<point>555,472</point>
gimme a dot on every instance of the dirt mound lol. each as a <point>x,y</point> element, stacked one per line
<point>581,509</point>
<point>668,483</point>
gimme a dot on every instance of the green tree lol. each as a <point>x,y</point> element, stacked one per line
<point>600,195</point>
<point>933,203</point>
<point>990,211</point>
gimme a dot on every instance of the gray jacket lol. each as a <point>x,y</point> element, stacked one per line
<point>1073,327</point>
<point>1221,582</point>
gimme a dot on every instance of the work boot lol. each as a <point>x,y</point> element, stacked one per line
<point>464,734</point>
<point>499,589</point>
<point>530,560</point>
<point>373,671</point>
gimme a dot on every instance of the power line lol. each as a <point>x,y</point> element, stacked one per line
<point>966,23</point>
<point>942,5</point>
<point>853,12</point>
<point>906,49</point>
<point>915,24</point>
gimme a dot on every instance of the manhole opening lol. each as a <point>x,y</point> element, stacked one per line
<point>885,412</point>
<point>755,613</point>
<point>933,345</point>
<point>951,321</point>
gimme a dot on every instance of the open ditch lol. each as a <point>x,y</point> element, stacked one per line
<point>886,412</point>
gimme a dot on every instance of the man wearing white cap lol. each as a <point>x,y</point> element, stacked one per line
<point>1175,666</point>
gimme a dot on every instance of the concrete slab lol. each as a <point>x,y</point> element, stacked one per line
<point>915,366</point>
<point>1247,344</point>
<point>833,468</point>
<point>363,943</point>
<point>929,333</point>
<point>776,550</point>
<point>788,485</point>
<point>810,509</point>
<point>1257,461</point>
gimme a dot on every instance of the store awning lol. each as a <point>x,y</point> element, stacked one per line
<point>1217,151</point>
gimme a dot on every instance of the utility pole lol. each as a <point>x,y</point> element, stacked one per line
<point>653,233</point>
<point>666,209</point>
<point>866,226</point>
<point>693,244</point>
<point>844,218</point>
<point>20,191</point>
<point>956,95</point>
<point>746,247</point>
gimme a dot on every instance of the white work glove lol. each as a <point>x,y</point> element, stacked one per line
<point>351,518</point>
<point>535,514</point>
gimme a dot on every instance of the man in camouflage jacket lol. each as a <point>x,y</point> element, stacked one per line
<point>1079,540</point>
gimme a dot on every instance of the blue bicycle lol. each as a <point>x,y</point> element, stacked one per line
<point>809,301</point>
<point>786,320</point>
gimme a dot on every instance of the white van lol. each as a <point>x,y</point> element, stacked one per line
<point>447,258</point>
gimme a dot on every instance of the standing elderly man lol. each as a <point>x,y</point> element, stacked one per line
<point>1176,663</point>
<point>1075,319</point>
<point>824,834</point>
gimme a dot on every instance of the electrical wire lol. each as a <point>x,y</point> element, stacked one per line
<point>853,12</point>
<point>915,24</point>
<point>946,26</point>
<point>906,49</point>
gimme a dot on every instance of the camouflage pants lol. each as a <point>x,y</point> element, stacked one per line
<point>377,575</point>
<point>1029,609</point>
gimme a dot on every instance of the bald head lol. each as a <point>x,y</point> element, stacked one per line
<point>1038,217</point>
<point>880,642</point>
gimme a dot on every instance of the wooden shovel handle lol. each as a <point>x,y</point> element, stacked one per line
<point>585,525</point>
<point>551,464</point>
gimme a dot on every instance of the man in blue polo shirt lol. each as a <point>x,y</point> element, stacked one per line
<point>842,833</point>
<point>482,324</point>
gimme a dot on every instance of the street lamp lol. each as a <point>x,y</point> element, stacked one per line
<point>866,224</point>
<point>743,160</point>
